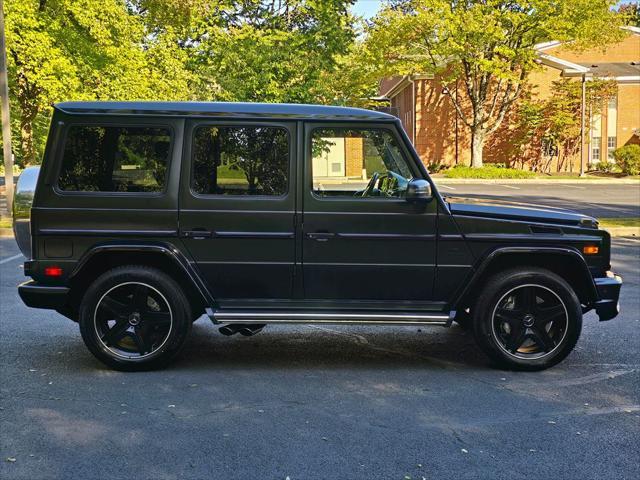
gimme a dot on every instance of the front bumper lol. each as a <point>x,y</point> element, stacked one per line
<point>42,296</point>
<point>607,306</point>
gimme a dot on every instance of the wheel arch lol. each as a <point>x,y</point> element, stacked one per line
<point>164,257</point>
<point>564,262</point>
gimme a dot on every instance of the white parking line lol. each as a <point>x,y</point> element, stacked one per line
<point>446,186</point>
<point>573,186</point>
<point>509,186</point>
<point>7,260</point>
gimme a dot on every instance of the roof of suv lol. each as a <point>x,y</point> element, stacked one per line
<point>224,109</point>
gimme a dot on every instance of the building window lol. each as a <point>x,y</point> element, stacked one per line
<point>595,149</point>
<point>612,126</point>
<point>611,146</point>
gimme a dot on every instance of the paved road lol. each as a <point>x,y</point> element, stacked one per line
<point>310,402</point>
<point>598,200</point>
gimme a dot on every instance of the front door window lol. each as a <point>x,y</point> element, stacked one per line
<point>361,163</point>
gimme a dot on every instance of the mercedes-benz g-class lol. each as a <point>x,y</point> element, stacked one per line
<point>148,215</point>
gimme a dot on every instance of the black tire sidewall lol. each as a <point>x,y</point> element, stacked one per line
<point>496,288</point>
<point>181,316</point>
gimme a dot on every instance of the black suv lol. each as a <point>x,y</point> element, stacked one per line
<point>148,215</point>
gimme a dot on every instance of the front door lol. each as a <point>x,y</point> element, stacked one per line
<point>237,208</point>
<point>363,243</point>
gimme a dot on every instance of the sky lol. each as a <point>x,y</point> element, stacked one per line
<point>367,8</point>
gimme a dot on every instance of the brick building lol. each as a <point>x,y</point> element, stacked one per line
<point>428,116</point>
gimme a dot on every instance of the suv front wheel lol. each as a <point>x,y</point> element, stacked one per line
<point>134,318</point>
<point>527,319</point>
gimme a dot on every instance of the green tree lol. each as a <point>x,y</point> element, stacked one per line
<point>353,80</point>
<point>556,121</point>
<point>488,44</point>
<point>273,51</point>
<point>631,13</point>
<point>81,49</point>
<point>235,50</point>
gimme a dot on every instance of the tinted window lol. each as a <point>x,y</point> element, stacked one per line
<point>358,163</point>
<point>240,160</point>
<point>115,159</point>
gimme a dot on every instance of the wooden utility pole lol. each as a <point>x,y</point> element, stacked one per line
<point>6,123</point>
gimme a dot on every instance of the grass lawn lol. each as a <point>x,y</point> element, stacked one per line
<point>486,172</point>
<point>619,222</point>
<point>494,172</point>
<point>5,222</point>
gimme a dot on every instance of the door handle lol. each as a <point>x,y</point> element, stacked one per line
<point>196,233</point>
<point>321,236</point>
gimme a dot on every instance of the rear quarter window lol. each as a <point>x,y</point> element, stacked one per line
<point>115,159</point>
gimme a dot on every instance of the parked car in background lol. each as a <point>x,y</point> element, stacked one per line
<point>148,215</point>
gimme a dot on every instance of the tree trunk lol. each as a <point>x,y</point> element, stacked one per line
<point>26,142</point>
<point>28,103</point>
<point>478,137</point>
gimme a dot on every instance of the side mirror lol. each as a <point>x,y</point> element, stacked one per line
<point>418,191</point>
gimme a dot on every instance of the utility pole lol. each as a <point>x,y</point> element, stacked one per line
<point>583,107</point>
<point>6,124</point>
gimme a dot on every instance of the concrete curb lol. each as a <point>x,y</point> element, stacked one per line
<point>6,232</point>
<point>536,181</point>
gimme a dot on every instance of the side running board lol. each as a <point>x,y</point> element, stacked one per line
<point>348,318</point>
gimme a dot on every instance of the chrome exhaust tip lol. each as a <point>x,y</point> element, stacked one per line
<point>230,329</point>
<point>250,330</point>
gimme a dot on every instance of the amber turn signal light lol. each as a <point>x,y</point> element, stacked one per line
<point>53,272</point>
<point>590,249</point>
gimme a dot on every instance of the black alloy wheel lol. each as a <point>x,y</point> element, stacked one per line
<point>527,319</point>
<point>530,321</point>
<point>134,318</point>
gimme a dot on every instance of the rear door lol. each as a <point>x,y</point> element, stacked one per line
<point>363,243</point>
<point>237,208</point>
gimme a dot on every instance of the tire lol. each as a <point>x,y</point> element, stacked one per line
<point>134,318</point>
<point>527,319</point>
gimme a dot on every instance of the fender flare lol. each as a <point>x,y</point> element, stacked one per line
<point>501,251</point>
<point>165,249</point>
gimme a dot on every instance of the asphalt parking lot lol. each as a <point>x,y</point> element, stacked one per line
<point>317,402</point>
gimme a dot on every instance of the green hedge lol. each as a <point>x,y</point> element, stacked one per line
<point>628,159</point>
<point>488,172</point>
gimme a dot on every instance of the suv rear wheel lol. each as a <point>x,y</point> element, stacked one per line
<point>134,318</point>
<point>527,319</point>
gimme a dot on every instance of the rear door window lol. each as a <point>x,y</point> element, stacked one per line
<point>240,160</point>
<point>115,159</point>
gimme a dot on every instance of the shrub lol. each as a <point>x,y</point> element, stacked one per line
<point>16,169</point>
<point>605,166</point>
<point>628,159</point>
<point>490,171</point>
<point>435,166</point>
